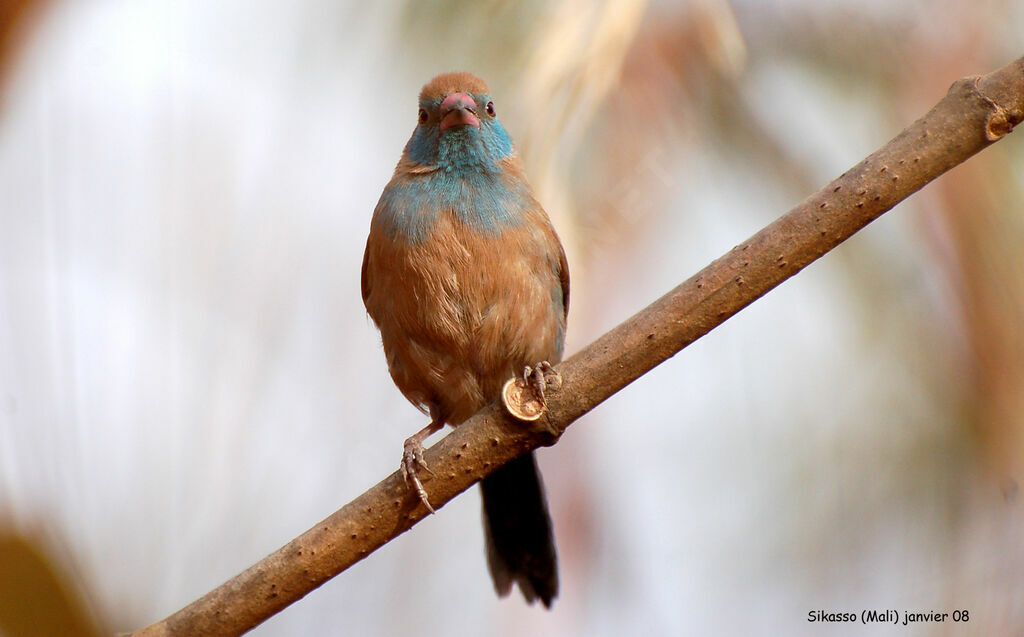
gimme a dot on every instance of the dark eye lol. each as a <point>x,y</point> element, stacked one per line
<point>490,108</point>
<point>423,116</point>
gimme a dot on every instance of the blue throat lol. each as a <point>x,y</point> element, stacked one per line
<point>467,179</point>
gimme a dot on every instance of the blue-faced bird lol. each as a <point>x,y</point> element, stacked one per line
<point>467,281</point>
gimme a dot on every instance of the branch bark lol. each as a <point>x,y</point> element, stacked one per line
<point>976,112</point>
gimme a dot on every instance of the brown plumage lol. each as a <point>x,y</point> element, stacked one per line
<point>466,280</point>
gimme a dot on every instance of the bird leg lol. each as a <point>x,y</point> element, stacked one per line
<point>412,456</point>
<point>539,377</point>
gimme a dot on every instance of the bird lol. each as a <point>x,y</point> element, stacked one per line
<point>467,282</point>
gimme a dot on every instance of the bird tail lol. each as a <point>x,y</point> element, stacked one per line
<point>517,531</point>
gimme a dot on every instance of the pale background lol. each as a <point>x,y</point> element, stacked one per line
<point>188,378</point>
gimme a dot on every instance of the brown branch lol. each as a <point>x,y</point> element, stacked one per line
<point>976,112</point>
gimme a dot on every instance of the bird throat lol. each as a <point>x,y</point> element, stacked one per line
<point>462,171</point>
<point>463,150</point>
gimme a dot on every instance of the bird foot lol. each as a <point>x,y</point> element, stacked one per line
<point>412,463</point>
<point>541,376</point>
<point>524,397</point>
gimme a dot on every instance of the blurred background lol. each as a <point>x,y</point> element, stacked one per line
<point>188,378</point>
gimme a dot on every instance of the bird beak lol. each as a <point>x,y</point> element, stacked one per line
<point>458,109</point>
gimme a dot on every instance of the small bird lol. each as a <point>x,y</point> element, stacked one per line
<point>468,283</point>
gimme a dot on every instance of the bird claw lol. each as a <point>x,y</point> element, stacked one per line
<point>412,462</point>
<point>541,376</point>
<point>524,397</point>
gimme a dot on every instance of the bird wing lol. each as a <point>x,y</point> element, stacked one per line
<point>364,276</point>
<point>563,278</point>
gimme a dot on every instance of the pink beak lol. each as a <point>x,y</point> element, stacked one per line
<point>458,109</point>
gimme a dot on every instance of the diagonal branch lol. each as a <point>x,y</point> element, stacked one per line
<point>976,112</point>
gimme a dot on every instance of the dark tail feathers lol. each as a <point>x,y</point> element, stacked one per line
<point>517,531</point>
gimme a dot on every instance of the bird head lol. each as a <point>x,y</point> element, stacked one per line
<point>457,127</point>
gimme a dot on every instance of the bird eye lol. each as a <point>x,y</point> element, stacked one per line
<point>423,116</point>
<point>490,108</point>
